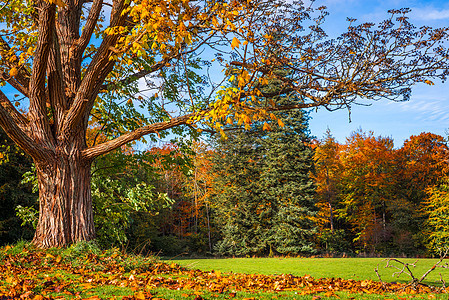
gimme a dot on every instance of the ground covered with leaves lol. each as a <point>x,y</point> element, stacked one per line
<point>84,272</point>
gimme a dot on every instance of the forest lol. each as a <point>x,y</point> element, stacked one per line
<point>274,191</point>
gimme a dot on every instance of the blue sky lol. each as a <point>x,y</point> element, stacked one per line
<point>428,108</point>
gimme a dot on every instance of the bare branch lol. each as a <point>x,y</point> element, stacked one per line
<point>106,147</point>
<point>415,283</point>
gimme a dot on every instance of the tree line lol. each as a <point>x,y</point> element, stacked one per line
<point>271,189</point>
<point>381,199</point>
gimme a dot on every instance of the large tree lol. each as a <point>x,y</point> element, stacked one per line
<point>243,213</point>
<point>287,183</point>
<point>71,61</point>
<point>264,194</point>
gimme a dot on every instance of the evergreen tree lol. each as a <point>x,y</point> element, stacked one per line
<point>238,201</point>
<point>286,179</point>
<point>263,194</point>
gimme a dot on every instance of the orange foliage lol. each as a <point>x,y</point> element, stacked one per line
<point>190,189</point>
<point>380,191</point>
<point>328,169</point>
<point>424,160</point>
<point>369,183</point>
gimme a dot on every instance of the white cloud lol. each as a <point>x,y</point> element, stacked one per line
<point>429,110</point>
<point>430,14</point>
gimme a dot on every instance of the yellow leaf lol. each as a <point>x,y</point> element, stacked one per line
<point>266,126</point>
<point>235,43</point>
<point>59,3</point>
<point>280,123</point>
<point>429,82</point>
<point>139,295</point>
<point>13,72</point>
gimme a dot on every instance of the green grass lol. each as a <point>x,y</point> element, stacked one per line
<point>346,268</point>
<point>173,294</point>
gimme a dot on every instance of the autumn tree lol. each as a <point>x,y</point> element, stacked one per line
<point>436,210</point>
<point>328,179</point>
<point>328,170</point>
<point>423,163</point>
<point>422,168</point>
<point>368,188</point>
<point>71,61</point>
<point>198,187</point>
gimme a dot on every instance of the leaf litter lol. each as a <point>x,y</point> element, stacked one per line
<point>42,275</point>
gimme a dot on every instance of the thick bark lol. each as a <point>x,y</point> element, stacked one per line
<point>66,214</point>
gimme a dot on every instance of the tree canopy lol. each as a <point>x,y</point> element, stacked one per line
<point>73,62</point>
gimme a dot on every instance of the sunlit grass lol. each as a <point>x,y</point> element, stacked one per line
<point>346,268</point>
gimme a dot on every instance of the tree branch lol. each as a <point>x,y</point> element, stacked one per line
<point>12,128</point>
<point>15,84</point>
<point>21,81</point>
<point>108,146</point>
<point>96,73</point>
<point>18,118</point>
<point>56,92</point>
<point>155,67</point>
<point>89,27</point>
<point>415,283</point>
<point>38,96</point>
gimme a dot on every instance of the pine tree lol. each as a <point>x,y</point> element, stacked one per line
<point>286,179</point>
<point>238,199</point>
<point>264,195</point>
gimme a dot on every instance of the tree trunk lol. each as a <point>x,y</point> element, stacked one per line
<point>65,203</point>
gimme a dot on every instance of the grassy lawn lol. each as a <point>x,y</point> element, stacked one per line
<point>346,268</point>
<point>85,272</point>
